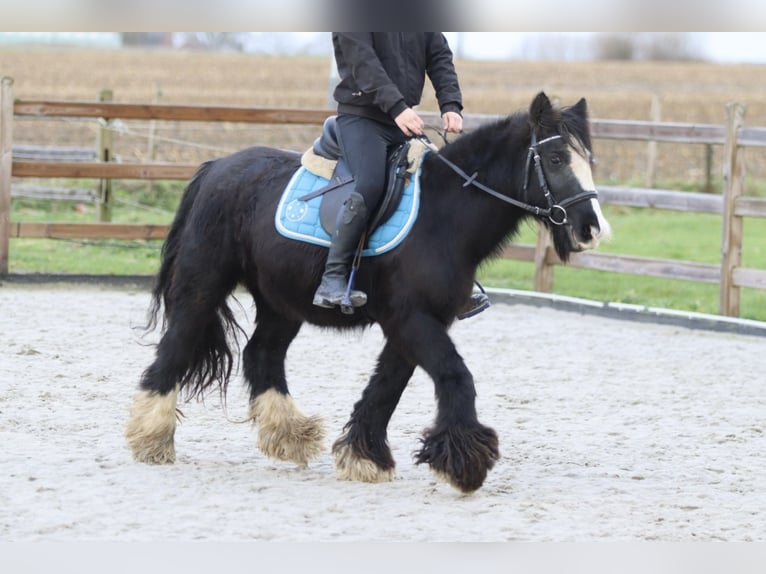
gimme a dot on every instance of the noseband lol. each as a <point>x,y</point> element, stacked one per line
<point>555,212</point>
<point>553,207</point>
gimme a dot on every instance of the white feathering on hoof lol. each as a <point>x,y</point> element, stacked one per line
<point>442,476</point>
<point>350,466</point>
<point>151,427</point>
<point>284,432</point>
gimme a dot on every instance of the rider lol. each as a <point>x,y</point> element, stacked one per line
<point>382,75</point>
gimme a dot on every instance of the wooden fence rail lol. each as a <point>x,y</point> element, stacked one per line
<point>730,204</point>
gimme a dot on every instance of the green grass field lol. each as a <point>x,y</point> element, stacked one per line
<point>642,232</point>
<point>648,233</point>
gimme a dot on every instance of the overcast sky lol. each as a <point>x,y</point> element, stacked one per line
<point>728,47</point>
<point>725,47</point>
<point>715,46</point>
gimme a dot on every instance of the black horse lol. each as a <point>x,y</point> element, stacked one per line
<point>534,163</point>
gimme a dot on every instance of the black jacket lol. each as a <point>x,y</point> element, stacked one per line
<point>383,73</point>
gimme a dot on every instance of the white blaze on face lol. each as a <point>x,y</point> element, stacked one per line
<point>581,168</point>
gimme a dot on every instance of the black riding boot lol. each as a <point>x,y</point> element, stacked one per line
<point>477,302</point>
<point>351,222</point>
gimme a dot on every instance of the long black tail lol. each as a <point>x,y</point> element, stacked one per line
<point>171,247</point>
<point>191,298</point>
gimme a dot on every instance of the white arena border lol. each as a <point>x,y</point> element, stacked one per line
<point>628,311</point>
<point>624,311</point>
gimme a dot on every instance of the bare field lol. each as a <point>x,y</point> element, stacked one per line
<point>688,92</point>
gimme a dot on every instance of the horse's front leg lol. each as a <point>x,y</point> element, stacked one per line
<point>457,447</point>
<point>362,452</point>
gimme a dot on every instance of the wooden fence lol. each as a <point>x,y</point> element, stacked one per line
<point>731,204</point>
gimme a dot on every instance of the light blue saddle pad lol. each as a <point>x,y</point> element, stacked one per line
<point>299,220</point>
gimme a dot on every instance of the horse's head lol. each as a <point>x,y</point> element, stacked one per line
<point>558,176</point>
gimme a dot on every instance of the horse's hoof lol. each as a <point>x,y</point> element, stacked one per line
<point>284,432</point>
<point>299,440</point>
<point>155,453</point>
<point>151,427</point>
<point>462,456</point>
<point>351,466</point>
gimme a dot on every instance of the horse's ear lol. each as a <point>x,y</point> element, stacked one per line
<point>541,107</point>
<point>581,108</point>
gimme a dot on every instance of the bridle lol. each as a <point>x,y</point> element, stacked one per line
<point>555,212</point>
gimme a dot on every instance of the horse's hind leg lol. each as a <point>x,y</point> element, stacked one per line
<point>362,452</point>
<point>193,350</point>
<point>284,432</point>
<point>152,422</point>
<point>152,425</point>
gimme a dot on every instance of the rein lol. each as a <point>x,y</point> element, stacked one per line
<point>533,155</point>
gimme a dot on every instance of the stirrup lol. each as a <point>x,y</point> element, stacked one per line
<point>347,301</point>
<point>359,299</point>
<point>476,303</point>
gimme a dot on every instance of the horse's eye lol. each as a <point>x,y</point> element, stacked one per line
<point>556,159</point>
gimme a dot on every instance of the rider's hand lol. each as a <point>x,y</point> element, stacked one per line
<point>410,123</point>
<point>453,122</point>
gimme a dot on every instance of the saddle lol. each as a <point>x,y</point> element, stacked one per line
<point>325,159</point>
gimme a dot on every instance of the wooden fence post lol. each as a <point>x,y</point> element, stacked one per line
<point>151,145</point>
<point>733,185</point>
<point>105,143</point>
<point>6,165</point>
<point>543,269</point>
<point>651,148</point>
<point>708,169</point>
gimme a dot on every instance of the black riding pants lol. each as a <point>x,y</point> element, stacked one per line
<point>365,144</point>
